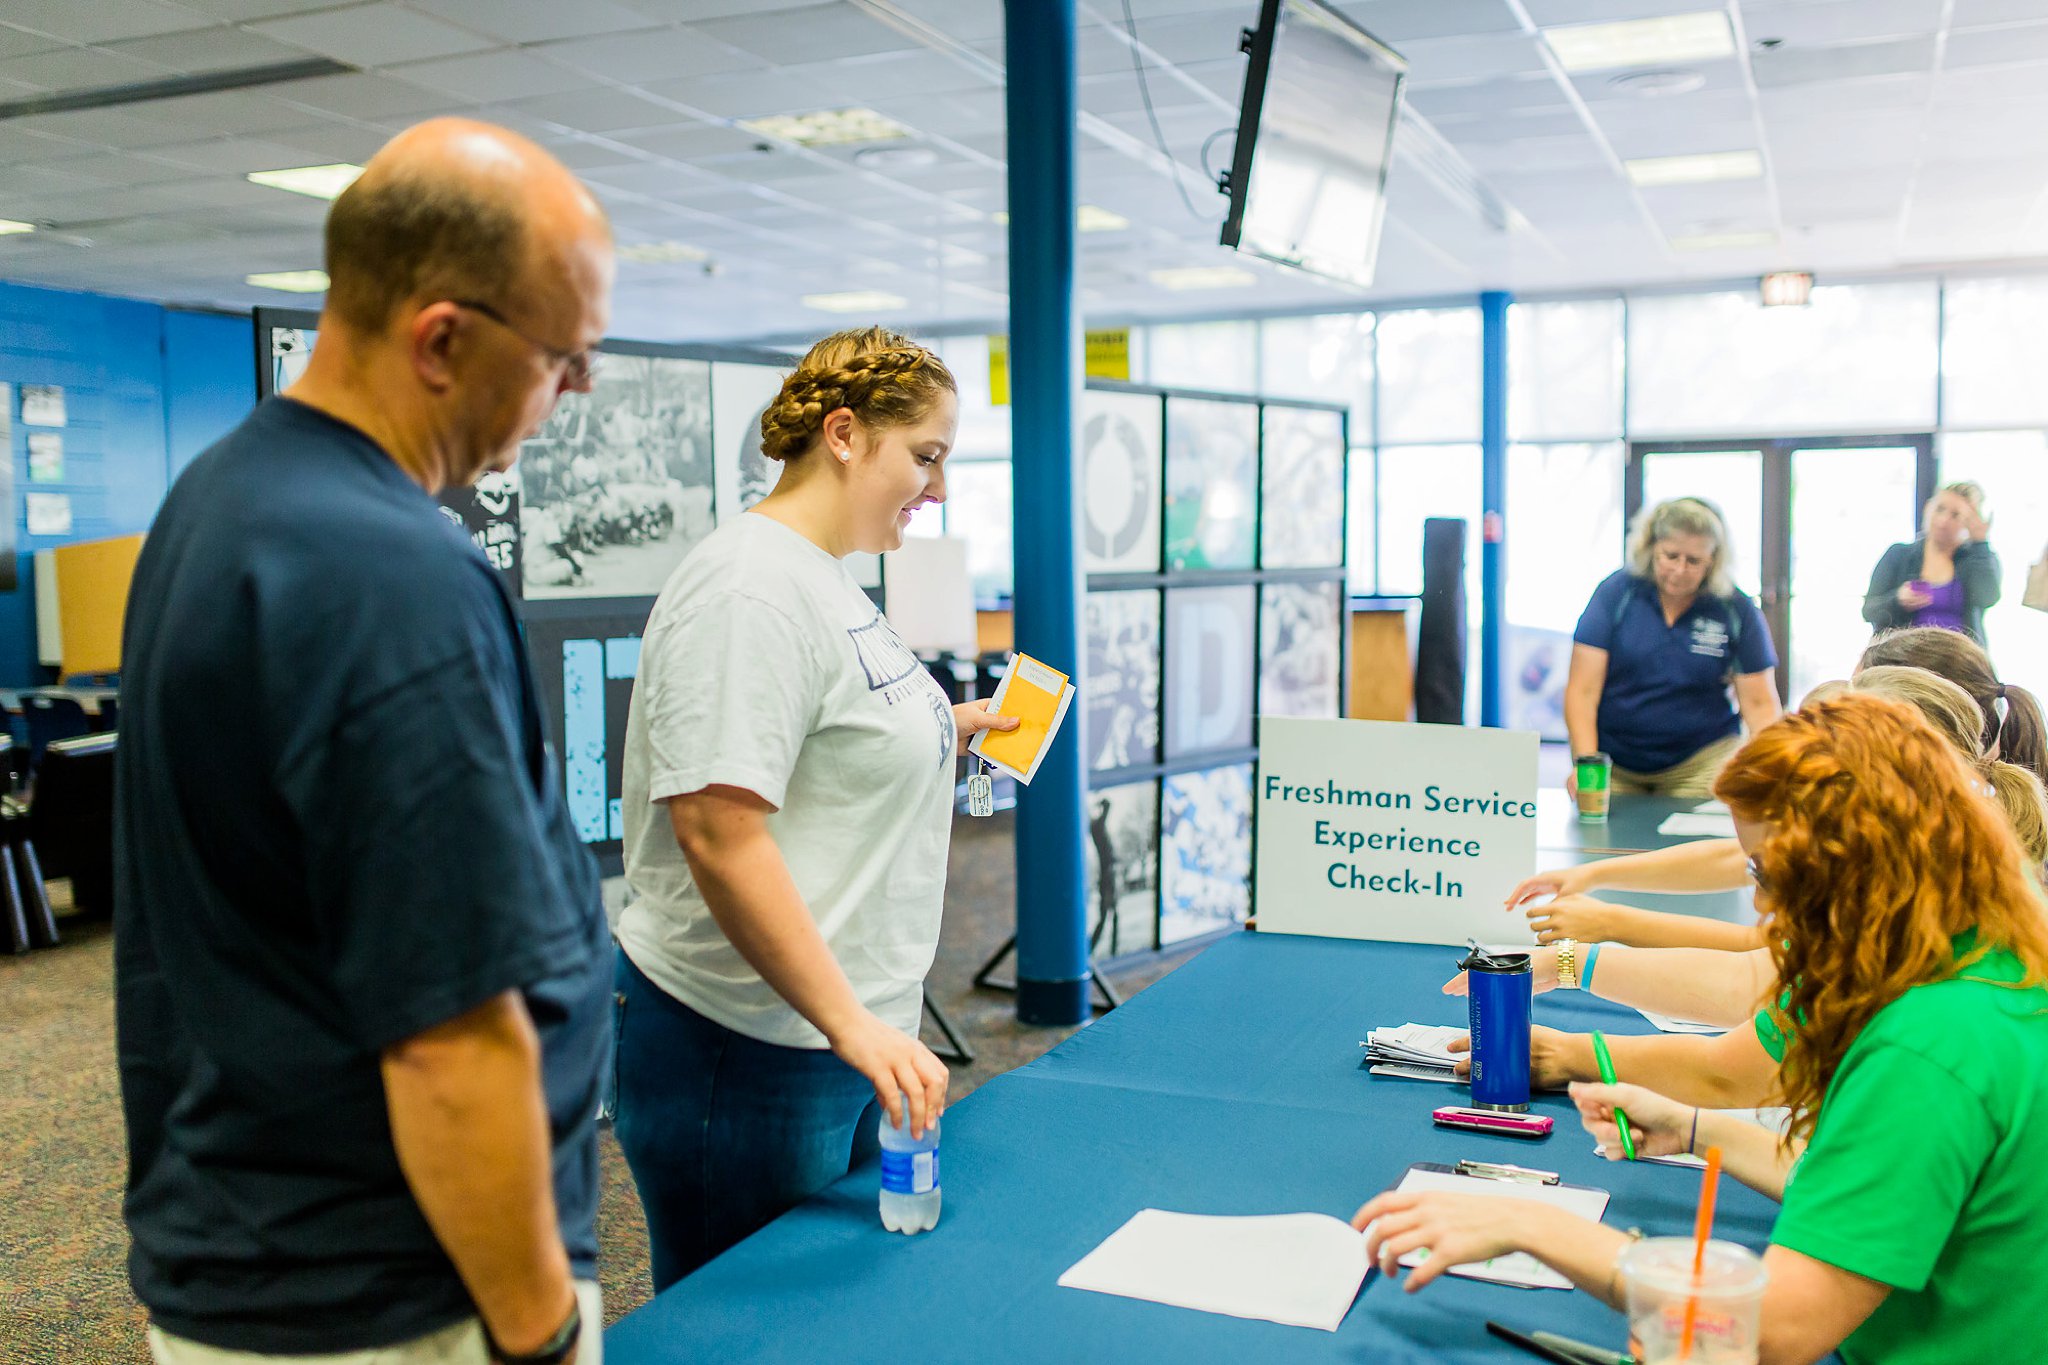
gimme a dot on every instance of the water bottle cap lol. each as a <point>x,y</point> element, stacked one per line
<point>1480,960</point>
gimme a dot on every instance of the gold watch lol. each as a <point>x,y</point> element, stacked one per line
<point>1567,964</point>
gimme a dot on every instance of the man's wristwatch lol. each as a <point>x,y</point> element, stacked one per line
<point>1567,964</point>
<point>557,1349</point>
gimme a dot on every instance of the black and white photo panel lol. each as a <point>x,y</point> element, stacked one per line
<point>1121,687</point>
<point>739,395</point>
<point>1301,650</point>
<point>1121,471</point>
<point>1302,514</point>
<point>1212,469</point>
<point>1205,852</point>
<point>1123,868</point>
<point>617,486</point>
<point>1209,659</point>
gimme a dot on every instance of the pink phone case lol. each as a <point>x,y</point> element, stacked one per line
<point>1481,1121</point>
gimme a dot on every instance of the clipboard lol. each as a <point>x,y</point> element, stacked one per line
<point>1038,695</point>
<point>1517,1268</point>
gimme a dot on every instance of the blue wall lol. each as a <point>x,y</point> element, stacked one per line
<point>145,389</point>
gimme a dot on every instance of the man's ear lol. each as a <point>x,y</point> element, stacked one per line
<point>435,333</point>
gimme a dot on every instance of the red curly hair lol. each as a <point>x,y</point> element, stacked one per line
<point>1880,851</point>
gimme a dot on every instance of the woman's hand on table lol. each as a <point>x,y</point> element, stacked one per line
<point>1578,916</point>
<point>1549,1051</point>
<point>970,718</point>
<point>1658,1126</point>
<point>898,1066</point>
<point>1559,881</point>
<point>1542,971</point>
<point>1455,1229</point>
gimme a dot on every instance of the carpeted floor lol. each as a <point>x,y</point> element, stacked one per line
<point>64,1297</point>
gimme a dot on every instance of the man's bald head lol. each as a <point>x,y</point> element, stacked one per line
<point>456,209</point>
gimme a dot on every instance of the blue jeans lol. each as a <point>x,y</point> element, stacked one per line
<point>724,1133</point>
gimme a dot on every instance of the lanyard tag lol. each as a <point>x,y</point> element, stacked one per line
<point>981,793</point>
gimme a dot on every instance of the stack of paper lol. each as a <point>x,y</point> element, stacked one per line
<point>1668,1024</point>
<point>1302,1269</point>
<point>1692,824</point>
<point>1418,1051</point>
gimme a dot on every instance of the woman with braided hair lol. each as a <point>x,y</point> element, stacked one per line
<point>788,799</point>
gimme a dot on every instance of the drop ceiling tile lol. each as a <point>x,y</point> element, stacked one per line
<point>1969,13</point>
<point>107,127</point>
<point>1530,126</point>
<point>1997,46</point>
<point>817,33</point>
<point>1792,65</point>
<point>1990,84</point>
<point>208,49</point>
<point>689,139</point>
<point>536,21</point>
<point>235,156</point>
<point>374,35</point>
<point>78,68</point>
<point>105,169</point>
<point>1876,92</point>
<point>45,182</point>
<point>487,77</point>
<point>15,42</point>
<point>599,110</point>
<point>690,11</point>
<point>124,203</point>
<point>334,141</point>
<point>1683,140</point>
<point>657,55</point>
<point>1396,21</point>
<point>1810,22</point>
<point>223,113</point>
<point>1506,97</point>
<point>654,179</point>
<point>101,21</point>
<point>376,99</point>
<point>588,154</point>
<point>1480,56</point>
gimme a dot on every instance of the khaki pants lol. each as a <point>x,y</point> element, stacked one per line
<point>459,1343</point>
<point>1690,777</point>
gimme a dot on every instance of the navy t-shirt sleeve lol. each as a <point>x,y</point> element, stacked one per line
<point>426,838</point>
<point>1755,652</point>
<point>1596,622</point>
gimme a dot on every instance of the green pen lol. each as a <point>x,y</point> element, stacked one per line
<point>1628,1145</point>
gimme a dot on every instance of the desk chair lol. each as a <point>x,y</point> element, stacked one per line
<point>50,719</point>
<point>70,822</point>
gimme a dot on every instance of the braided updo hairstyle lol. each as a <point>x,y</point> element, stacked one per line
<point>884,378</point>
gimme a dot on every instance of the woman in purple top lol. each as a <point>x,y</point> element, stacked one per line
<point>1946,578</point>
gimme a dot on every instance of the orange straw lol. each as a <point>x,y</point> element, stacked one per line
<point>1703,1228</point>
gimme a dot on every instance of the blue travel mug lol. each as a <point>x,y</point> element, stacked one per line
<point>1500,987</point>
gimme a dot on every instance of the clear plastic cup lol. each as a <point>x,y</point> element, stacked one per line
<point>1728,1302</point>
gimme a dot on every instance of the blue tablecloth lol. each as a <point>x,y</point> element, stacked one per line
<point>1232,1086</point>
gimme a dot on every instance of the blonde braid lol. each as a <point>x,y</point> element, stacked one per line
<point>883,378</point>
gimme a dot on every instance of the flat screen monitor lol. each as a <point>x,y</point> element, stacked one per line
<point>1315,135</point>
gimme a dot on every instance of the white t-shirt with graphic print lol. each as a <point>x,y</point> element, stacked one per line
<point>765,667</point>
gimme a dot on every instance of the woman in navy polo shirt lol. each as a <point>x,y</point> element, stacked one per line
<point>1655,653</point>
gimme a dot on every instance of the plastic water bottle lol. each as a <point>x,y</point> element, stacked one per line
<point>910,1176</point>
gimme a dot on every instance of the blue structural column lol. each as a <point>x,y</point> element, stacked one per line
<point>1493,496</point>
<point>1045,381</point>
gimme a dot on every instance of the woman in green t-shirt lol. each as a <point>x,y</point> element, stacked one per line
<point>1918,1079</point>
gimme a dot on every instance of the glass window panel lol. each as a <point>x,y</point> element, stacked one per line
<point>978,511</point>
<point>1859,357</point>
<point>1212,483</point>
<point>1123,835</point>
<point>2013,467</point>
<point>1564,526</point>
<point>1205,852</point>
<point>1121,685</point>
<point>1994,353</point>
<point>1301,509</point>
<point>1564,370</point>
<point>1326,358</point>
<point>984,428</point>
<point>1732,480</point>
<point>1848,508</point>
<point>1121,471</point>
<point>1429,375</point>
<point>1361,528</point>
<point>1210,646</point>
<point>1416,483</point>
<point>1223,356</point>
<point>1301,650</point>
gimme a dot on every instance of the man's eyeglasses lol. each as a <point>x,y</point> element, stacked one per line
<point>581,366</point>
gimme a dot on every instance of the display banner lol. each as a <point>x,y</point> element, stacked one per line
<point>1399,832</point>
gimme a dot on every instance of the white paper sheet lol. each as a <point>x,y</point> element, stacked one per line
<point>1302,1269</point>
<point>1517,1268</point>
<point>1666,1024</point>
<point>1775,1119</point>
<point>1692,824</point>
<point>1711,808</point>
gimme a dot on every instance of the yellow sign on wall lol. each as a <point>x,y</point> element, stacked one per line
<point>1105,355</point>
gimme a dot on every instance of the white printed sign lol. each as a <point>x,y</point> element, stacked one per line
<point>1407,833</point>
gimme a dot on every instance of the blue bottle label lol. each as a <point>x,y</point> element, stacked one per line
<point>910,1172</point>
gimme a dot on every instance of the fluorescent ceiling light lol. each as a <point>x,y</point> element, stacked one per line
<point>11,226</point>
<point>1087,217</point>
<point>1204,277</point>
<point>1695,170</point>
<point>659,253</point>
<point>291,281</point>
<point>318,182</point>
<point>1724,241</point>
<point>1642,42</point>
<point>855,301</point>
<point>828,127</point>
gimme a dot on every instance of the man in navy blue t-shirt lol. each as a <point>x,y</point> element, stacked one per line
<point>360,955</point>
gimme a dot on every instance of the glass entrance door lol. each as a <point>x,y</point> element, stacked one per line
<point>1807,520</point>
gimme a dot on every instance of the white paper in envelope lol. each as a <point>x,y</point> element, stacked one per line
<point>1302,1269</point>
